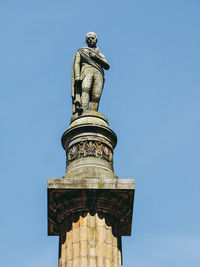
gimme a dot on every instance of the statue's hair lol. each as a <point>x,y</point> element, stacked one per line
<point>93,33</point>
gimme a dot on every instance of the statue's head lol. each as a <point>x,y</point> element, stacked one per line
<point>91,39</point>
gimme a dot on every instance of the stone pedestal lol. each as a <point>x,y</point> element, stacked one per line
<point>90,208</point>
<point>89,143</point>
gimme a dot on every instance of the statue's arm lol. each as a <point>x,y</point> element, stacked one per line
<point>101,60</point>
<point>77,66</point>
<point>104,62</point>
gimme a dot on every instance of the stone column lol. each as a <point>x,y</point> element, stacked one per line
<point>90,242</point>
<point>89,207</point>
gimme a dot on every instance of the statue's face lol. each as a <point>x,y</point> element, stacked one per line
<point>91,40</point>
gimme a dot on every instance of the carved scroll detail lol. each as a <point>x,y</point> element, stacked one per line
<point>89,149</point>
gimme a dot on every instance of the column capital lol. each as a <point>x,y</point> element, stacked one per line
<point>111,199</point>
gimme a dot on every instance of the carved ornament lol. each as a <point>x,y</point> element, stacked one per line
<point>89,149</point>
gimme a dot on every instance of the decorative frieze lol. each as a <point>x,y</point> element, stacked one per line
<point>89,149</point>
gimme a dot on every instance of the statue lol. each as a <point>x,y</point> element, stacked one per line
<point>88,76</point>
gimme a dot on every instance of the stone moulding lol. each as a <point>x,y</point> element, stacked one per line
<point>85,129</point>
<point>110,200</point>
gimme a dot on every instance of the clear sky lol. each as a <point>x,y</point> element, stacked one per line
<point>151,98</point>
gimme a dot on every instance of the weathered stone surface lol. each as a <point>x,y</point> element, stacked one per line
<point>88,76</point>
<point>93,251</point>
<point>112,199</point>
<point>89,143</point>
<point>86,183</point>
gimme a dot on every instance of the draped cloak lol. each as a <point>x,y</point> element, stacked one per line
<point>76,88</point>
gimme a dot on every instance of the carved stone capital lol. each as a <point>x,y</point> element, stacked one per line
<point>112,200</point>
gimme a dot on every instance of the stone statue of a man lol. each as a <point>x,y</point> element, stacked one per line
<point>88,75</point>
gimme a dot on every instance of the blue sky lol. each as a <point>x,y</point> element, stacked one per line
<point>151,98</point>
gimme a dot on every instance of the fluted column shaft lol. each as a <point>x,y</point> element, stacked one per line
<point>90,243</point>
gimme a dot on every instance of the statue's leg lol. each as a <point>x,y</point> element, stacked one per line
<point>96,91</point>
<point>86,86</point>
